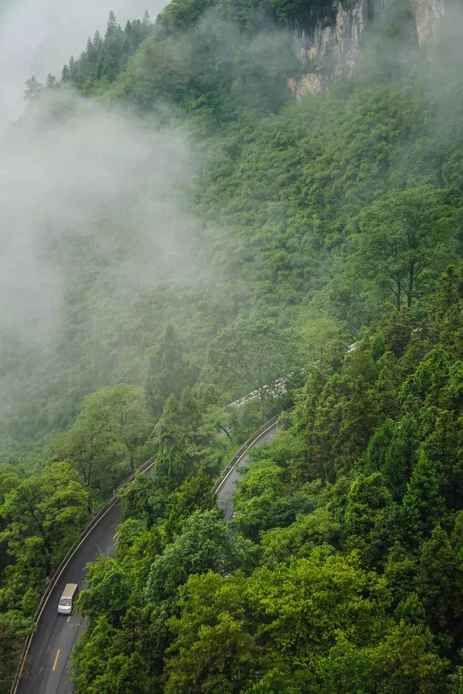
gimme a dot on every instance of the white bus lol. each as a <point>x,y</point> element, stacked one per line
<point>67,598</point>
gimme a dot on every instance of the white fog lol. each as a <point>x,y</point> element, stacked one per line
<point>39,36</point>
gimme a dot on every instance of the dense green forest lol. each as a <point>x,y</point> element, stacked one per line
<point>321,240</point>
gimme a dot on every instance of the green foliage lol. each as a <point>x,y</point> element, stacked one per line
<point>108,591</point>
<point>13,629</point>
<point>213,71</point>
<point>169,374</point>
<point>264,501</point>
<point>297,202</point>
<point>403,241</point>
<point>184,440</point>
<point>393,450</point>
<point>107,439</point>
<point>41,516</point>
<point>321,626</point>
<point>251,338</point>
<point>212,647</point>
<point>352,579</point>
<point>439,580</point>
<point>122,672</point>
<point>368,508</point>
<point>205,543</point>
<point>181,16</point>
<point>105,57</point>
<point>325,225</point>
<point>301,537</point>
<point>423,504</point>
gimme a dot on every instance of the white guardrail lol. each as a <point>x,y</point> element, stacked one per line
<point>237,458</point>
<point>92,525</point>
<point>146,467</point>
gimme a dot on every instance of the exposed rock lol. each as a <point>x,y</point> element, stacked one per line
<point>336,47</point>
<point>310,83</point>
<point>331,49</point>
<point>427,14</point>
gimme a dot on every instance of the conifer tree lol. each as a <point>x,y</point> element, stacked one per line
<point>113,56</point>
<point>169,372</point>
<point>439,581</point>
<point>423,504</point>
<point>33,89</point>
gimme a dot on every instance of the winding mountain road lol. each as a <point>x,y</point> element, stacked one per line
<point>225,489</point>
<point>47,667</point>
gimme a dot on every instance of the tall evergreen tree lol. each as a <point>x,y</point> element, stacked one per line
<point>169,372</point>
<point>423,504</point>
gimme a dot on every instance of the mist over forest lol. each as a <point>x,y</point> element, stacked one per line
<point>38,37</point>
<point>199,201</point>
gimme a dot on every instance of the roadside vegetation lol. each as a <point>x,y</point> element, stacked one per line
<point>329,242</point>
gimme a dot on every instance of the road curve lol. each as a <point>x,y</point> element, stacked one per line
<point>47,668</point>
<point>226,487</point>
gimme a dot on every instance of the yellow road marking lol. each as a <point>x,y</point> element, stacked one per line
<point>56,659</point>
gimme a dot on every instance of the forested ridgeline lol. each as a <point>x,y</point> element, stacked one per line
<point>342,568</point>
<point>315,241</point>
<point>279,213</point>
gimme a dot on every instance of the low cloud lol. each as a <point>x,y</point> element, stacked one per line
<point>39,36</point>
<point>83,184</point>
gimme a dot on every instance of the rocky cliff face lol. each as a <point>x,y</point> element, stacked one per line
<point>331,50</point>
<point>427,15</point>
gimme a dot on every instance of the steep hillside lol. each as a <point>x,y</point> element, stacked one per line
<point>201,231</point>
<point>224,81</point>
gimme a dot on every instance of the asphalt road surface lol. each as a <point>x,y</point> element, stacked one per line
<point>226,490</point>
<point>48,665</point>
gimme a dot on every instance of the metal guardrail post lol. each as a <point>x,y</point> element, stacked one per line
<point>87,531</point>
<point>90,527</point>
<point>250,443</point>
